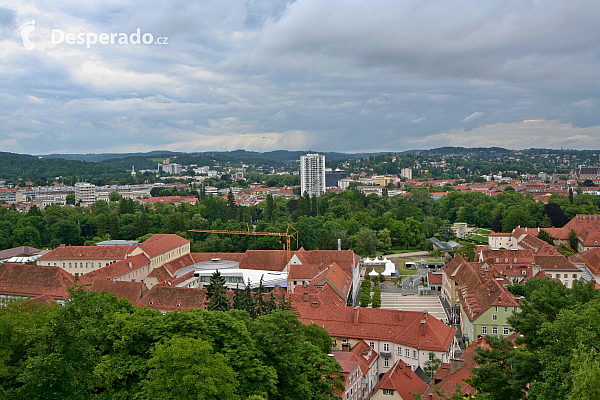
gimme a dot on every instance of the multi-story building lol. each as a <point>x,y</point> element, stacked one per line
<point>312,174</point>
<point>85,194</point>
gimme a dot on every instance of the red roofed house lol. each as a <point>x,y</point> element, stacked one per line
<point>478,288</point>
<point>359,384</point>
<point>398,383</point>
<point>162,248</point>
<point>132,291</point>
<point>20,281</point>
<point>455,373</point>
<point>395,335</point>
<point>352,375</point>
<point>80,260</point>
<point>587,228</point>
<point>170,298</point>
<point>590,261</point>
<point>132,269</point>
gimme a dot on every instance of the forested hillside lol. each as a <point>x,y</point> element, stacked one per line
<point>41,171</point>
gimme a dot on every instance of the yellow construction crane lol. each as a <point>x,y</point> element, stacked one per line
<point>289,234</point>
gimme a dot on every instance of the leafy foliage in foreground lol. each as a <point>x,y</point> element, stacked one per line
<point>98,347</point>
<point>556,358</point>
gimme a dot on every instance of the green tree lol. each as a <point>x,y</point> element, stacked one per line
<point>546,237</point>
<point>304,371</point>
<point>365,293</point>
<point>376,300</point>
<point>365,242</point>
<point>573,240</point>
<point>432,365</point>
<point>384,241</point>
<point>494,375</point>
<point>216,292</point>
<point>187,368</point>
<point>70,198</point>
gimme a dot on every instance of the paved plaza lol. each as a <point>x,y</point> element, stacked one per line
<point>397,301</point>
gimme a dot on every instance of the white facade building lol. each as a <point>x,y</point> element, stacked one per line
<point>312,174</point>
<point>85,194</point>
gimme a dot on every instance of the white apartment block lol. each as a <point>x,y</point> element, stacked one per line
<point>312,174</point>
<point>85,193</point>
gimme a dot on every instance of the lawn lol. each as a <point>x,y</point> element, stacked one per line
<point>477,239</point>
<point>482,231</point>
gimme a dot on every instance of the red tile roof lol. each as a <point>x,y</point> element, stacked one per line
<point>161,243</point>
<point>339,280</point>
<point>63,252</point>
<point>558,262</point>
<point>132,291</point>
<point>168,298</point>
<point>20,251</point>
<point>506,256</point>
<point>590,257</point>
<point>434,279</point>
<point>403,380</point>
<point>448,382</point>
<point>114,270</point>
<point>34,280</point>
<point>402,327</point>
<point>311,294</point>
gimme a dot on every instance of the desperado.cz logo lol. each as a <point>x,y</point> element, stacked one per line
<point>57,36</point>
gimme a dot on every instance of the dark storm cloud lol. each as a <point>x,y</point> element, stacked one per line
<point>325,75</point>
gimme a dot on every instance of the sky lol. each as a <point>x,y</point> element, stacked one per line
<point>262,75</point>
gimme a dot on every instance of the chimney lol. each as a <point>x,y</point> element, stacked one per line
<point>423,322</point>
<point>339,244</point>
<point>425,314</point>
<point>456,364</point>
<point>408,371</point>
<point>305,297</point>
<point>400,315</point>
<point>356,311</point>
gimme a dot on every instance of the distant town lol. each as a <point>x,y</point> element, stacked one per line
<point>409,274</point>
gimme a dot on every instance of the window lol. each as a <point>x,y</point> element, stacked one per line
<point>69,265</point>
<point>494,330</point>
<point>372,344</point>
<point>496,309</point>
<point>505,309</point>
<point>574,276</point>
<point>386,362</point>
<point>407,352</point>
<point>415,355</point>
<point>399,351</point>
<point>431,356</point>
<point>386,347</point>
<point>388,391</point>
<point>566,275</point>
<point>505,331</point>
<point>494,317</point>
<point>484,330</point>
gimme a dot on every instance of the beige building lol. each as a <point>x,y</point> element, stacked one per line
<point>80,260</point>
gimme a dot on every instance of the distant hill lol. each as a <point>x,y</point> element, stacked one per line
<point>43,169</point>
<point>94,157</point>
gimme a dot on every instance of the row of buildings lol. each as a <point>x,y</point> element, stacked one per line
<point>382,352</point>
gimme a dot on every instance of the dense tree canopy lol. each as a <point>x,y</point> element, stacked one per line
<point>98,347</point>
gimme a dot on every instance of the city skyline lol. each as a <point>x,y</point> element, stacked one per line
<point>267,75</point>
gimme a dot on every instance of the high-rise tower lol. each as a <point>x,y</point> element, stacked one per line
<point>312,174</point>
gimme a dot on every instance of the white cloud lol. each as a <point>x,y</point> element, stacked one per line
<point>518,135</point>
<point>417,120</point>
<point>472,117</point>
